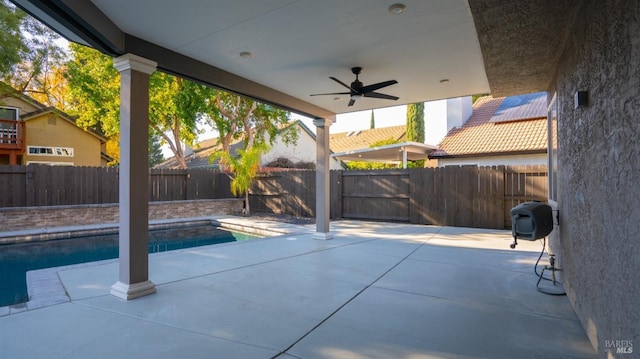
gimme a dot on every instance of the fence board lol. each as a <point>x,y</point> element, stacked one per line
<point>377,195</point>
<point>460,196</point>
<point>335,196</point>
<point>12,185</point>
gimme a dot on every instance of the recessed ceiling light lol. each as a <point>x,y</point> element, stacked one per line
<point>444,81</point>
<point>397,9</point>
<point>246,54</point>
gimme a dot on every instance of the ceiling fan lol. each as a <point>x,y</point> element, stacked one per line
<point>357,89</point>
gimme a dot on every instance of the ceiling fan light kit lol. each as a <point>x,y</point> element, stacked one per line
<point>357,90</point>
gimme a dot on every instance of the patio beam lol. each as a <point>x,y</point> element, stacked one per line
<point>133,277</point>
<point>322,179</point>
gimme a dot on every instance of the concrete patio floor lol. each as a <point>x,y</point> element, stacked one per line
<point>377,290</point>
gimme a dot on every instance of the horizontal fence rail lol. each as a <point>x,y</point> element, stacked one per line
<point>467,196</point>
<point>42,185</point>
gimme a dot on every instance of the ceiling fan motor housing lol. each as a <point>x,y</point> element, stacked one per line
<point>357,90</point>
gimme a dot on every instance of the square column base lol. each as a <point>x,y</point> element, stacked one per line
<point>132,291</point>
<point>323,235</point>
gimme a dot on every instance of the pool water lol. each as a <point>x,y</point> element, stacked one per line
<point>19,258</point>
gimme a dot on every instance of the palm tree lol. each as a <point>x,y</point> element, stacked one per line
<point>242,169</point>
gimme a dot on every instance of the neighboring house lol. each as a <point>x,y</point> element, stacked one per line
<point>381,145</point>
<point>303,151</point>
<point>32,133</point>
<point>500,131</point>
<point>361,139</point>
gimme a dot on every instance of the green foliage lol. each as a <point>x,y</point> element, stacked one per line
<point>12,43</point>
<point>175,104</point>
<point>30,55</point>
<point>94,90</point>
<point>155,150</point>
<point>474,98</point>
<point>238,118</point>
<point>388,141</point>
<point>415,122</point>
<point>366,165</point>
<point>242,168</point>
<point>373,121</point>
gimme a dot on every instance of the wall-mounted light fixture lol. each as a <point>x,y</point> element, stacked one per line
<point>581,99</point>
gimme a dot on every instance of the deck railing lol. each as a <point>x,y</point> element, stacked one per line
<point>12,135</point>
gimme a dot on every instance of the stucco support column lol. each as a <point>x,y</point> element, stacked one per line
<point>133,277</point>
<point>322,179</point>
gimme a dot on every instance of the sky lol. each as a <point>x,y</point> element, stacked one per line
<point>361,120</point>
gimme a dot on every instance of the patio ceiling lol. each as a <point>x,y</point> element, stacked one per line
<point>503,47</point>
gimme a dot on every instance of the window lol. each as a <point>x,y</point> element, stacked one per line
<point>50,151</point>
<point>8,113</point>
<point>552,145</point>
<point>50,163</point>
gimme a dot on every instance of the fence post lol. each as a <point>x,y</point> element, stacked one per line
<point>336,194</point>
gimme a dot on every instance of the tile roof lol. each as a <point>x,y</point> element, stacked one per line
<point>356,140</point>
<point>479,135</point>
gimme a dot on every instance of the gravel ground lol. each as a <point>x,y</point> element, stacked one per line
<point>284,218</point>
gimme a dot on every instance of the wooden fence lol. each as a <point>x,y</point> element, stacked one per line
<point>466,196</point>
<point>41,185</point>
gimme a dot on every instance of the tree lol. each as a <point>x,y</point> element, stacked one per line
<point>237,118</point>
<point>415,122</point>
<point>415,127</point>
<point>12,43</point>
<point>373,121</point>
<point>255,125</point>
<point>175,104</point>
<point>32,59</point>
<point>242,169</point>
<point>155,150</point>
<point>94,90</point>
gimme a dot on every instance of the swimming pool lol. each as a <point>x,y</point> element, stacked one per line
<point>18,258</point>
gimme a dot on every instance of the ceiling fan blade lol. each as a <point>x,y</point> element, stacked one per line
<point>370,88</point>
<point>381,95</point>
<point>351,102</point>
<point>330,93</point>
<point>342,83</point>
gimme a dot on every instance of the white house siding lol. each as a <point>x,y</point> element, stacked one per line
<point>303,151</point>
<point>511,160</point>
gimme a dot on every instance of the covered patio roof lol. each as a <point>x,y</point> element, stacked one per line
<point>394,153</point>
<point>282,51</point>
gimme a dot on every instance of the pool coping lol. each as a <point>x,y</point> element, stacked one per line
<point>45,287</point>
<point>231,222</point>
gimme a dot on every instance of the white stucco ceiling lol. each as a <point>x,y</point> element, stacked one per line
<point>298,44</point>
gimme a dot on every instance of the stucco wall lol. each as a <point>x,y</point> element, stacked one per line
<point>15,219</point>
<point>512,160</point>
<point>599,172</point>
<point>22,106</point>
<point>303,151</point>
<point>52,131</point>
